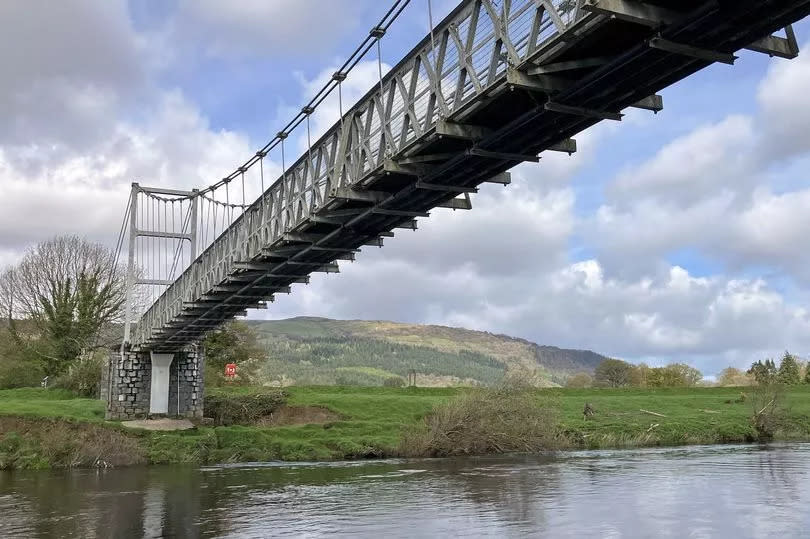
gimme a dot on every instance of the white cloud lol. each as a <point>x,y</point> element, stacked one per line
<point>782,97</point>
<point>267,27</point>
<point>85,193</point>
<point>714,190</point>
<point>708,160</point>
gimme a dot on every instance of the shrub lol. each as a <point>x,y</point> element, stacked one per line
<point>500,420</point>
<point>732,377</point>
<point>579,380</point>
<point>52,443</point>
<point>242,409</point>
<point>25,374</point>
<point>394,381</point>
<point>235,342</point>
<point>769,412</point>
<point>83,376</point>
<point>17,368</point>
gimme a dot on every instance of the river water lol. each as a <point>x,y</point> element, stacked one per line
<point>707,491</point>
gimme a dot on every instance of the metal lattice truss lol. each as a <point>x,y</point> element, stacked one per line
<point>494,84</point>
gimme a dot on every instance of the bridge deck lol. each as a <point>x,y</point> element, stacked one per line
<point>508,91</point>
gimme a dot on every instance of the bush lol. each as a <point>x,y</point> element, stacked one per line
<point>769,412</point>
<point>25,374</point>
<point>394,381</point>
<point>580,380</point>
<point>500,420</point>
<point>242,409</point>
<point>17,369</point>
<point>83,376</point>
<point>52,443</point>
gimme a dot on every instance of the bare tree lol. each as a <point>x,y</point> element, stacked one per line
<point>60,297</point>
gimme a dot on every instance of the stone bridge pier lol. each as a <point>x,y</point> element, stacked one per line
<point>140,384</point>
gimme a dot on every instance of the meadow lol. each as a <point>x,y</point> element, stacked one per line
<point>367,422</point>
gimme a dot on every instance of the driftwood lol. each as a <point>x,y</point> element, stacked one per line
<point>651,413</point>
<point>710,411</point>
<point>653,426</point>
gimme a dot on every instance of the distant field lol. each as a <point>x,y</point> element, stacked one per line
<point>370,420</point>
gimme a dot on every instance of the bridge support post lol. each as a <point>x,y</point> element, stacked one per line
<point>159,386</point>
<point>141,384</point>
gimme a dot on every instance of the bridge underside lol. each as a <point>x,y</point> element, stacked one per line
<point>613,58</point>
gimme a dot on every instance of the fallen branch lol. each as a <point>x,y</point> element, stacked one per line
<point>652,426</point>
<point>651,413</point>
<point>766,406</point>
<point>710,411</point>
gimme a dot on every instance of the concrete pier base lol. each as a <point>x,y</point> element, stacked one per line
<point>140,384</point>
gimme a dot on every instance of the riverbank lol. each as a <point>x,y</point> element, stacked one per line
<point>51,428</point>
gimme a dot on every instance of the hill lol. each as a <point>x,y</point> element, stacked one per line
<point>307,350</point>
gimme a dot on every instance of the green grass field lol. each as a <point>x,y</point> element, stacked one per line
<point>369,421</point>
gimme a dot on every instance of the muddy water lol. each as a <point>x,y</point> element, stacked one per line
<point>720,491</point>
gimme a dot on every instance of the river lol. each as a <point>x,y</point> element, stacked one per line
<point>706,491</point>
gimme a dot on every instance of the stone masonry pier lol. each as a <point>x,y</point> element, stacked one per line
<point>139,384</point>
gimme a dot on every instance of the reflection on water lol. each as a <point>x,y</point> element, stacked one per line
<point>720,491</point>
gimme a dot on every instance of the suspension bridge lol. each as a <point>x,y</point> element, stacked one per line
<point>494,84</point>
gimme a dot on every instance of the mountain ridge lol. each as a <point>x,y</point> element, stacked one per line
<point>309,349</point>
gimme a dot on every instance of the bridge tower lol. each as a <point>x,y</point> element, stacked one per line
<point>139,382</point>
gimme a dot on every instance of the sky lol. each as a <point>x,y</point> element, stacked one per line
<point>668,237</point>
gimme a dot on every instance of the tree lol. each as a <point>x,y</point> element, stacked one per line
<point>639,377</point>
<point>689,375</point>
<point>613,373</point>
<point>764,373</point>
<point>235,342</point>
<point>580,380</point>
<point>788,370</point>
<point>66,290</point>
<point>732,377</point>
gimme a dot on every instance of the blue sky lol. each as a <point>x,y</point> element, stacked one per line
<point>669,237</point>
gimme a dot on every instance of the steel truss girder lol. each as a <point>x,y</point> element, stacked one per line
<point>482,48</point>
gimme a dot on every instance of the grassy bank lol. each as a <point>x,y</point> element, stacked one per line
<point>368,422</point>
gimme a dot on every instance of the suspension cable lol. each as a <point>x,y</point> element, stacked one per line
<point>119,244</point>
<point>179,250</point>
<point>393,13</point>
<point>243,191</point>
<point>166,224</point>
<point>214,235</point>
<point>228,198</point>
<point>149,211</point>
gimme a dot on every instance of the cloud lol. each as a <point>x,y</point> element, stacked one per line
<point>708,160</point>
<point>85,192</point>
<point>58,85</point>
<point>710,322</point>
<point>715,190</point>
<point>262,27</point>
<point>782,97</point>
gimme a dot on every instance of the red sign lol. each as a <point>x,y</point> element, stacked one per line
<point>230,370</point>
